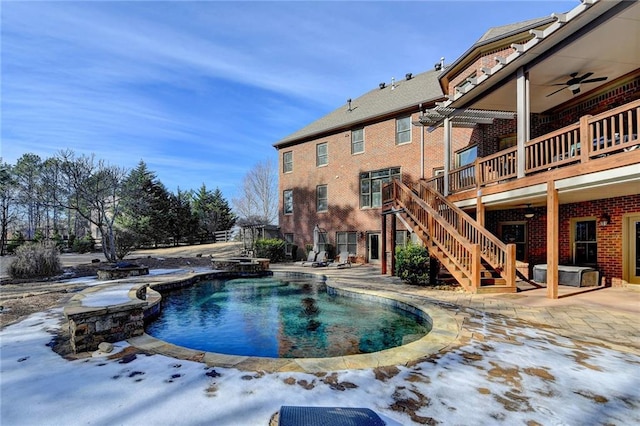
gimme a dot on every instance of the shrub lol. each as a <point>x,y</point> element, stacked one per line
<point>126,241</point>
<point>412,264</point>
<point>36,260</point>
<point>83,245</point>
<point>271,248</point>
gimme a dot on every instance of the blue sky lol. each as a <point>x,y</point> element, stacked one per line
<point>202,90</point>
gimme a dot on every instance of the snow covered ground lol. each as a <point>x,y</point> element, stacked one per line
<point>503,373</point>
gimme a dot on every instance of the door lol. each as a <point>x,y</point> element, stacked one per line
<point>631,248</point>
<point>373,242</point>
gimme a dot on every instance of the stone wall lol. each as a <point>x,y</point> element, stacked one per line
<point>88,327</point>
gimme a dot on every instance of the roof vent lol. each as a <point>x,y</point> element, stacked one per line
<point>349,103</point>
<point>408,76</point>
<point>439,65</point>
<point>382,85</point>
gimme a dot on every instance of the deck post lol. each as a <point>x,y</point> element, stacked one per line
<point>585,146</point>
<point>383,243</point>
<point>552,240</point>
<point>480,211</point>
<point>510,267</point>
<point>394,226</point>
<point>475,266</point>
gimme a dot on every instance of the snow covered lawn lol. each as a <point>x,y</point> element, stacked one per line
<point>504,372</point>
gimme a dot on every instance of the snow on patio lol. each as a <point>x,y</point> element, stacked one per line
<point>503,372</point>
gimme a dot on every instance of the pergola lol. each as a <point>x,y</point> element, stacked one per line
<point>448,117</point>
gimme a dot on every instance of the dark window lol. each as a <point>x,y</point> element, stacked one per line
<point>287,196</point>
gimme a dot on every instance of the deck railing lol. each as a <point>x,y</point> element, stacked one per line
<point>438,232</point>
<point>608,133</point>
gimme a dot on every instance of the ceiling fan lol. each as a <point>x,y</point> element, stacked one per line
<point>574,82</point>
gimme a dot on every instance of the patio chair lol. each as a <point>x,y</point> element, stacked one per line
<point>311,258</point>
<point>320,416</point>
<point>342,262</point>
<point>321,259</point>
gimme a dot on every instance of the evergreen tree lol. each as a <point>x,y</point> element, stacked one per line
<point>213,212</point>
<point>182,221</point>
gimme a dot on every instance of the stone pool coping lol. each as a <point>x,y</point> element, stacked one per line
<point>445,329</point>
<point>444,332</point>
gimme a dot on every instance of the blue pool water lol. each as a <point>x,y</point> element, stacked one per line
<point>280,318</point>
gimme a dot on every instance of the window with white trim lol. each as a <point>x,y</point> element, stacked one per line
<point>347,241</point>
<point>585,242</point>
<point>288,242</point>
<point>371,184</point>
<point>357,141</point>
<point>322,154</point>
<point>466,156</point>
<point>287,162</point>
<point>403,130</point>
<point>322,198</point>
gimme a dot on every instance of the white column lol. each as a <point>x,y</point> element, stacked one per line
<point>523,117</point>
<point>447,154</point>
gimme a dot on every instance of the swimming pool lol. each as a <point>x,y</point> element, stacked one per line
<point>280,317</point>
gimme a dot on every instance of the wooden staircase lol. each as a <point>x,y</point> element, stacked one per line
<point>477,259</point>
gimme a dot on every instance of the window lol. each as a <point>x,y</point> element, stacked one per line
<point>585,245</point>
<point>401,238</point>
<point>287,197</point>
<point>357,141</point>
<point>403,130</point>
<point>322,241</point>
<point>347,241</point>
<point>287,162</point>
<point>322,203</point>
<point>437,171</point>
<point>322,154</point>
<point>288,242</point>
<point>371,186</point>
<point>515,233</point>
<point>466,156</point>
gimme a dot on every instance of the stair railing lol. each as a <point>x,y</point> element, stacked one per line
<point>438,232</point>
<point>501,256</point>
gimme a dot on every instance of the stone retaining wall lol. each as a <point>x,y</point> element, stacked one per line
<point>89,327</point>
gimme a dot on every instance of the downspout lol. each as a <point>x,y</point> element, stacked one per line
<point>421,148</point>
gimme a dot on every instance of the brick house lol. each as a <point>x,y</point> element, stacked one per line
<point>539,124</point>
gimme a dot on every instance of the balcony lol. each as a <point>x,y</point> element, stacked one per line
<point>593,144</point>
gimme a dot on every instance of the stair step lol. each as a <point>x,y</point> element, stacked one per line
<point>493,281</point>
<point>494,289</point>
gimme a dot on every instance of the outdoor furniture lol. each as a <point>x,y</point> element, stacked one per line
<point>321,259</point>
<point>311,258</point>
<point>321,416</point>
<point>342,262</point>
<point>576,276</point>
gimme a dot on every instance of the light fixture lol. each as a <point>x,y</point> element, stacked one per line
<point>528,212</point>
<point>604,219</point>
<point>574,87</point>
<point>361,234</point>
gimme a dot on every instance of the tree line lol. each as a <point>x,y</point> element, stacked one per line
<point>64,197</point>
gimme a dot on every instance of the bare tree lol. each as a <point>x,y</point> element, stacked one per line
<point>92,190</point>
<point>259,195</point>
<point>8,197</point>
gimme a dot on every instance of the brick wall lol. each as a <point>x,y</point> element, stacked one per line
<point>342,177</point>
<point>609,238</point>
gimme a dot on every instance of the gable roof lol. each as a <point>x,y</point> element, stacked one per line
<point>401,95</point>
<point>497,33</point>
